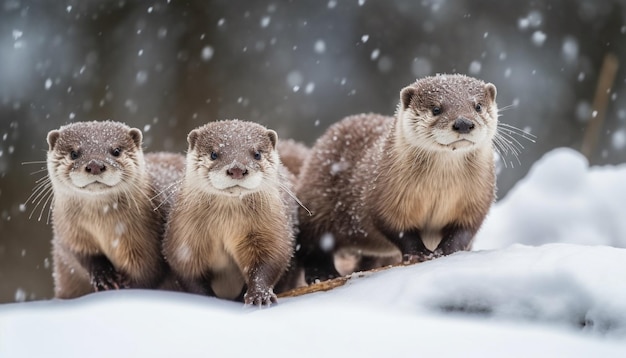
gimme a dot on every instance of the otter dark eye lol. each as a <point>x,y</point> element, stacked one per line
<point>116,152</point>
<point>74,155</point>
<point>479,108</point>
<point>436,111</point>
<point>257,155</point>
<point>214,155</point>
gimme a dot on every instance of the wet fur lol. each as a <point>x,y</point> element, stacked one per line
<point>385,188</point>
<point>227,242</point>
<point>118,229</point>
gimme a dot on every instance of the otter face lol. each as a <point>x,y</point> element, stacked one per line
<point>94,157</point>
<point>448,113</point>
<point>231,158</point>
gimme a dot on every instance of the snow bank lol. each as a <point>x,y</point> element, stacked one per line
<point>560,200</point>
<point>556,300</point>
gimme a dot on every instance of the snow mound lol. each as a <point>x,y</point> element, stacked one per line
<point>554,300</point>
<point>578,287</point>
<point>560,200</point>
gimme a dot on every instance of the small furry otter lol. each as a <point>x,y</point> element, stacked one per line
<point>412,187</point>
<point>107,230</point>
<point>233,224</point>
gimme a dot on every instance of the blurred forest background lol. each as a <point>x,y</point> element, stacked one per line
<point>167,66</point>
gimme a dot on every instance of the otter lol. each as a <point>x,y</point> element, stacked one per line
<point>231,231</point>
<point>109,208</point>
<point>410,187</point>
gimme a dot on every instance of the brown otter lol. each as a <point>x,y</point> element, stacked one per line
<point>107,230</point>
<point>233,222</point>
<point>414,186</point>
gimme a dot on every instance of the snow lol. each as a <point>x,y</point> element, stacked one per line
<point>618,139</point>
<point>539,37</point>
<point>320,46</point>
<point>560,200</point>
<point>375,53</point>
<point>546,279</point>
<point>265,21</point>
<point>475,67</point>
<point>207,53</point>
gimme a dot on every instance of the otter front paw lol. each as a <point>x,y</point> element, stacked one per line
<point>107,278</point>
<point>259,297</point>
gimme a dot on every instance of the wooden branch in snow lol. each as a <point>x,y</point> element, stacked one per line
<point>334,283</point>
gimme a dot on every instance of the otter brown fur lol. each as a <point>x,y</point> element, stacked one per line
<point>292,154</point>
<point>107,230</point>
<point>233,224</point>
<point>417,185</point>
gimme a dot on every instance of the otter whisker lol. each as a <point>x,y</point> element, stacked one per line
<point>506,140</point>
<point>49,197</point>
<point>39,171</point>
<point>44,192</point>
<point>293,196</point>
<point>289,192</point>
<point>144,190</point>
<point>502,151</point>
<point>517,131</point>
<point>134,187</point>
<point>43,178</point>
<point>38,196</point>
<point>131,197</point>
<point>50,207</point>
<point>509,143</point>
<point>37,191</point>
<point>512,105</point>
<point>512,147</point>
<point>40,185</point>
<point>168,192</point>
<point>125,198</point>
<point>500,155</point>
<point>512,140</point>
<point>508,148</point>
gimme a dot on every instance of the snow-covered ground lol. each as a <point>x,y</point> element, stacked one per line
<point>566,299</point>
<point>561,200</point>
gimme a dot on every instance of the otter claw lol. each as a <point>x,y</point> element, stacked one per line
<point>262,298</point>
<point>106,280</point>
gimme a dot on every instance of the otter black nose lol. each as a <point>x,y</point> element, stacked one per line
<point>95,167</point>
<point>463,125</point>
<point>236,172</point>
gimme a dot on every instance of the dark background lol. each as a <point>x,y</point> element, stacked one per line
<point>294,66</point>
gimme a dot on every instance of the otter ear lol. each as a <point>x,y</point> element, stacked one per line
<point>192,138</point>
<point>491,91</point>
<point>273,137</point>
<point>405,96</point>
<point>52,138</point>
<point>136,136</point>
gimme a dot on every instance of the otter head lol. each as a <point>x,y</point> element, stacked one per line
<point>231,157</point>
<point>94,158</point>
<point>448,113</point>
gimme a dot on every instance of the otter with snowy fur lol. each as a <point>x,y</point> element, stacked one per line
<point>413,187</point>
<point>234,219</point>
<point>109,208</point>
